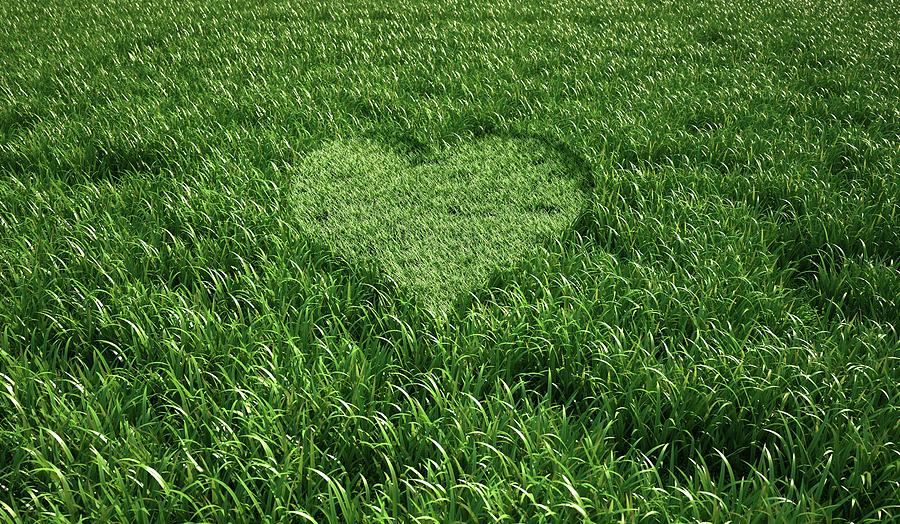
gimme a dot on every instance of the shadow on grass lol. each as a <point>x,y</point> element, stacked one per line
<point>375,307</point>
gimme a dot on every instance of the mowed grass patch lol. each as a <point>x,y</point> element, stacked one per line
<point>437,225</point>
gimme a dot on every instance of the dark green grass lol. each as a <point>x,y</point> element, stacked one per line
<point>714,338</point>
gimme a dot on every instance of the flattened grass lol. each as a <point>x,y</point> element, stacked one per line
<point>439,225</point>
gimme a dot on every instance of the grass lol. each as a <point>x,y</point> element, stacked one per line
<point>708,332</point>
<point>441,225</point>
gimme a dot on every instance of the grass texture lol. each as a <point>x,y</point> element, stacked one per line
<point>438,226</point>
<point>700,327</point>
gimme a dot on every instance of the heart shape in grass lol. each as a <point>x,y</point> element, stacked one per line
<point>437,226</point>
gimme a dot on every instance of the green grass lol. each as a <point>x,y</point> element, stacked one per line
<point>437,226</point>
<point>705,331</point>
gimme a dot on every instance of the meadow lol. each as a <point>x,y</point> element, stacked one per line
<point>419,261</point>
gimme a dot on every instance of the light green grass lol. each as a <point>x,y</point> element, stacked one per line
<point>714,338</point>
<point>437,226</point>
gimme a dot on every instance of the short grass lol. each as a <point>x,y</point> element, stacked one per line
<point>437,226</point>
<point>712,336</point>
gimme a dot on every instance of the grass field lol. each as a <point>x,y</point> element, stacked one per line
<point>566,261</point>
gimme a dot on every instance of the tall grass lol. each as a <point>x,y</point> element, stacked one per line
<point>713,338</point>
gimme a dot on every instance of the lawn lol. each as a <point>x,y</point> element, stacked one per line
<point>567,261</point>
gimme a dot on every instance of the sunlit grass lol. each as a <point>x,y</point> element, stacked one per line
<point>438,226</point>
<point>706,332</point>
